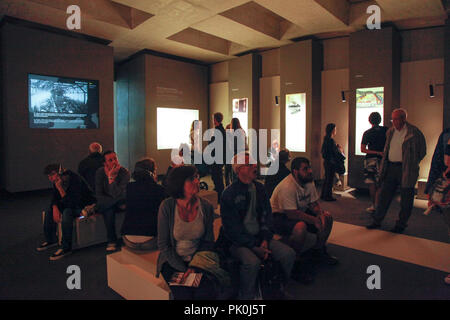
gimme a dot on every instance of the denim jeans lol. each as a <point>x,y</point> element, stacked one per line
<point>68,215</point>
<point>251,264</point>
<point>109,217</point>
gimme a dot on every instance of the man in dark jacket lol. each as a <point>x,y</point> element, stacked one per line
<point>88,166</point>
<point>217,167</point>
<point>246,218</point>
<point>70,195</point>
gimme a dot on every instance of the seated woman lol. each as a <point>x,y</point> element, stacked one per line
<point>185,227</point>
<point>143,199</point>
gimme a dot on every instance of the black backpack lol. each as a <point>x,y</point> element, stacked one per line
<point>271,279</point>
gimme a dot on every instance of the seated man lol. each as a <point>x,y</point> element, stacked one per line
<point>70,195</point>
<point>296,210</point>
<point>271,181</point>
<point>89,166</point>
<point>110,189</point>
<point>246,217</point>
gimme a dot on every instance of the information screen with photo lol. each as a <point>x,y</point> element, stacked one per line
<point>296,122</point>
<point>240,111</point>
<point>62,103</point>
<point>174,126</point>
<point>368,100</point>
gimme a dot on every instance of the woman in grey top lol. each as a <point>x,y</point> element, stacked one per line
<point>185,226</point>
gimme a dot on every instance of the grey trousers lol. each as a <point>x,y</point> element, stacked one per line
<point>250,265</point>
<point>392,180</point>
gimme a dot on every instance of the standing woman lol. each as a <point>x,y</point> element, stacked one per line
<point>333,157</point>
<point>185,227</point>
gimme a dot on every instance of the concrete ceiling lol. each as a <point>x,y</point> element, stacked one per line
<point>216,30</point>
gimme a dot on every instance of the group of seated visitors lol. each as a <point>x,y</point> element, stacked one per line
<point>73,195</point>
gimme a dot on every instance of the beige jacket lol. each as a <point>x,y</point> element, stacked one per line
<point>414,150</point>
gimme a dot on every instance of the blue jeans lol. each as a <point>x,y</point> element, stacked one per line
<point>250,265</point>
<point>68,215</point>
<point>109,216</point>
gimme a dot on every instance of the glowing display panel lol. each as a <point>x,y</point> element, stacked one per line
<point>296,122</point>
<point>240,111</point>
<point>173,126</point>
<point>368,100</point>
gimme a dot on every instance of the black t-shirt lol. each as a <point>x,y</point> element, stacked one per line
<point>374,139</point>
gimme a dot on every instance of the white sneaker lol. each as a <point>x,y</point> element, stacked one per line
<point>371,209</point>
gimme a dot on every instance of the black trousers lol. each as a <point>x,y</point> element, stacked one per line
<point>392,180</point>
<point>217,178</point>
<point>327,188</point>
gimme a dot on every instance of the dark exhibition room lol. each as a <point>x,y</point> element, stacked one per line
<point>218,151</point>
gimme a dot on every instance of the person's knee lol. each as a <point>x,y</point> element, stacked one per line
<point>299,231</point>
<point>251,263</point>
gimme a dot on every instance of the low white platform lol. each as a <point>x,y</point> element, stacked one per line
<point>132,276</point>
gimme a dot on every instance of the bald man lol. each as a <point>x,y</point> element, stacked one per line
<point>404,149</point>
<point>91,163</point>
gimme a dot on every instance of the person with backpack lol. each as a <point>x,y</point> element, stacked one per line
<point>246,233</point>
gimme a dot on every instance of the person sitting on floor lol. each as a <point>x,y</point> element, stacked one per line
<point>89,166</point>
<point>185,228</point>
<point>70,195</point>
<point>110,188</point>
<point>246,219</point>
<point>297,210</point>
<point>144,196</point>
<point>271,181</point>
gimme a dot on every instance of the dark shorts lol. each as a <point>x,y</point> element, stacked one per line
<point>284,226</point>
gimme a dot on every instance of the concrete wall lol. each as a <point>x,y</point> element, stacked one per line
<point>26,151</point>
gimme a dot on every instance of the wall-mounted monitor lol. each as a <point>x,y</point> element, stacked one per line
<point>296,122</point>
<point>62,103</point>
<point>368,100</point>
<point>173,126</point>
<point>240,111</point>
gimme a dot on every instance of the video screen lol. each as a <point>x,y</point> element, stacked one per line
<point>62,103</point>
<point>174,126</point>
<point>240,111</point>
<point>296,122</point>
<point>368,100</point>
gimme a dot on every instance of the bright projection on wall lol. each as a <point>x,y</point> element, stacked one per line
<point>240,111</point>
<point>368,100</point>
<point>173,127</point>
<point>296,122</point>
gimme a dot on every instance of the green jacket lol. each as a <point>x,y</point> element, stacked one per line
<point>414,149</point>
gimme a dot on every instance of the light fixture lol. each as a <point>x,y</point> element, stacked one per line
<point>343,95</point>
<point>431,88</point>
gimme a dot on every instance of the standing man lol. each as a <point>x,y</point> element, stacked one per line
<point>246,218</point>
<point>89,166</point>
<point>70,195</point>
<point>372,145</point>
<point>405,148</point>
<point>110,188</point>
<point>217,168</point>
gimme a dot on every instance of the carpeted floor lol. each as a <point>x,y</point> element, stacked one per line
<point>28,274</point>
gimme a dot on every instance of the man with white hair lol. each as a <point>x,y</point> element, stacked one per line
<point>404,149</point>
<point>88,166</point>
<point>246,219</point>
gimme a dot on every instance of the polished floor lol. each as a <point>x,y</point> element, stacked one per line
<point>412,265</point>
